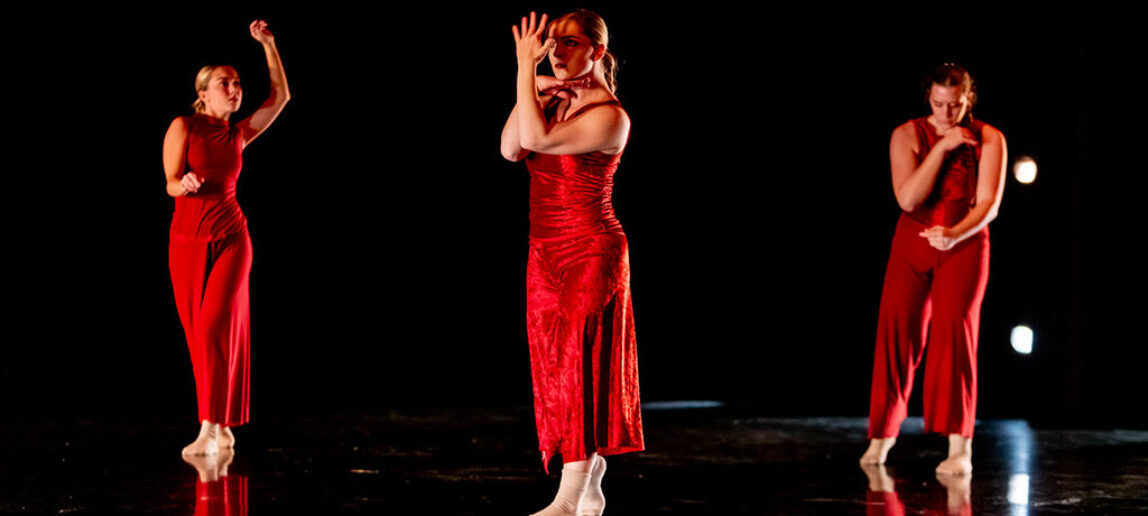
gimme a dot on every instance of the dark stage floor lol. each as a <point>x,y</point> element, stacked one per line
<point>701,461</point>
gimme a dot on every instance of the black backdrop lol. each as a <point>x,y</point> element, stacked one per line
<point>390,236</point>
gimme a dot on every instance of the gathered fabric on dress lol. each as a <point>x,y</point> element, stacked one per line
<point>580,323</point>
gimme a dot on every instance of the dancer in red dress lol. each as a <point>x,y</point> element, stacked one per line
<point>579,320</point>
<point>209,250</point>
<point>948,177</point>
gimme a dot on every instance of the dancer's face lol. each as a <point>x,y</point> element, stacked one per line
<point>224,93</point>
<point>949,104</point>
<point>573,54</point>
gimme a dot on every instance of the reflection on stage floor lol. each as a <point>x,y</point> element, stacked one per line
<point>702,459</point>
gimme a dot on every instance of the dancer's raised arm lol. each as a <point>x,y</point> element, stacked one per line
<point>258,122</point>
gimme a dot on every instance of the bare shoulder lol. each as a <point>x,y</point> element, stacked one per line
<point>607,114</point>
<point>990,134</point>
<point>905,133</point>
<point>179,124</point>
<point>904,139</point>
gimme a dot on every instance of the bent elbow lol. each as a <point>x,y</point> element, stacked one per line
<point>992,214</point>
<point>907,205</point>
<point>906,200</point>
<point>511,156</point>
<point>513,153</point>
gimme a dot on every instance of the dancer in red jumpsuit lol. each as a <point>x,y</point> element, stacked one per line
<point>579,321</point>
<point>209,250</point>
<point>948,177</point>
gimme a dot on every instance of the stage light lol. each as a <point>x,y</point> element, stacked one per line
<point>1018,489</point>
<point>1024,169</point>
<point>1022,339</point>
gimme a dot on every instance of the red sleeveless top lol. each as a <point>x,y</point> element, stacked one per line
<point>954,191</point>
<point>570,194</point>
<point>215,153</point>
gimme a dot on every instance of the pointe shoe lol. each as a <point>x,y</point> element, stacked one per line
<point>594,502</point>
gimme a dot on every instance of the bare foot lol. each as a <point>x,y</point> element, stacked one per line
<point>571,489</point>
<point>960,461</point>
<point>879,479</point>
<point>594,502</point>
<point>958,492</point>
<point>878,451</point>
<point>226,438</point>
<point>207,443</point>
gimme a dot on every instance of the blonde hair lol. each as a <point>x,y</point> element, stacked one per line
<point>595,28</point>
<point>202,81</point>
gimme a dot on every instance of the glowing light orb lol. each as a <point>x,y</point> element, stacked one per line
<point>1024,169</point>
<point>1022,339</point>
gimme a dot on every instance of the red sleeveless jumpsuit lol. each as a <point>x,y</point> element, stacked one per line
<point>579,321</point>
<point>934,296</point>
<point>209,255</point>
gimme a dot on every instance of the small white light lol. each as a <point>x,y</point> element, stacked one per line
<point>1024,169</point>
<point>1018,489</point>
<point>1022,339</point>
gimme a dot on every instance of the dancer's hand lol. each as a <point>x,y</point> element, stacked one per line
<point>528,42</point>
<point>940,237</point>
<point>261,33</point>
<point>955,137</point>
<point>190,183</point>
<point>562,89</point>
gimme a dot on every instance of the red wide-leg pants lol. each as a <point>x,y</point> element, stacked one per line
<point>583,355</point>
<point>210,280</point>
<point>929,296</point>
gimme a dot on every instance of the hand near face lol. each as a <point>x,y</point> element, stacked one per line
<point>529,45</point>
<point>190,183</point>
<point>956,136</point>
<point>261,33</point>
<point>940,237</point>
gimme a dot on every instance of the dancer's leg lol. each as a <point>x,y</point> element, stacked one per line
<point>900,337</point>
<point>951,366</point>
<point>225,331</point>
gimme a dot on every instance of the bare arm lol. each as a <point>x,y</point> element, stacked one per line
<point>179,183</point>
<point>913,182</point>
<point>990,190</point>
<point>990,184</point>
<point>259,121</point>
<point>511,142</point>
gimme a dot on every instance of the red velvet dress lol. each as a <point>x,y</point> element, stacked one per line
<point>209,255</point>
<point>935,297</point>
<point>579,321</point>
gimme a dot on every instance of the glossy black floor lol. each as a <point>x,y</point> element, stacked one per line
<point>700,461</point>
